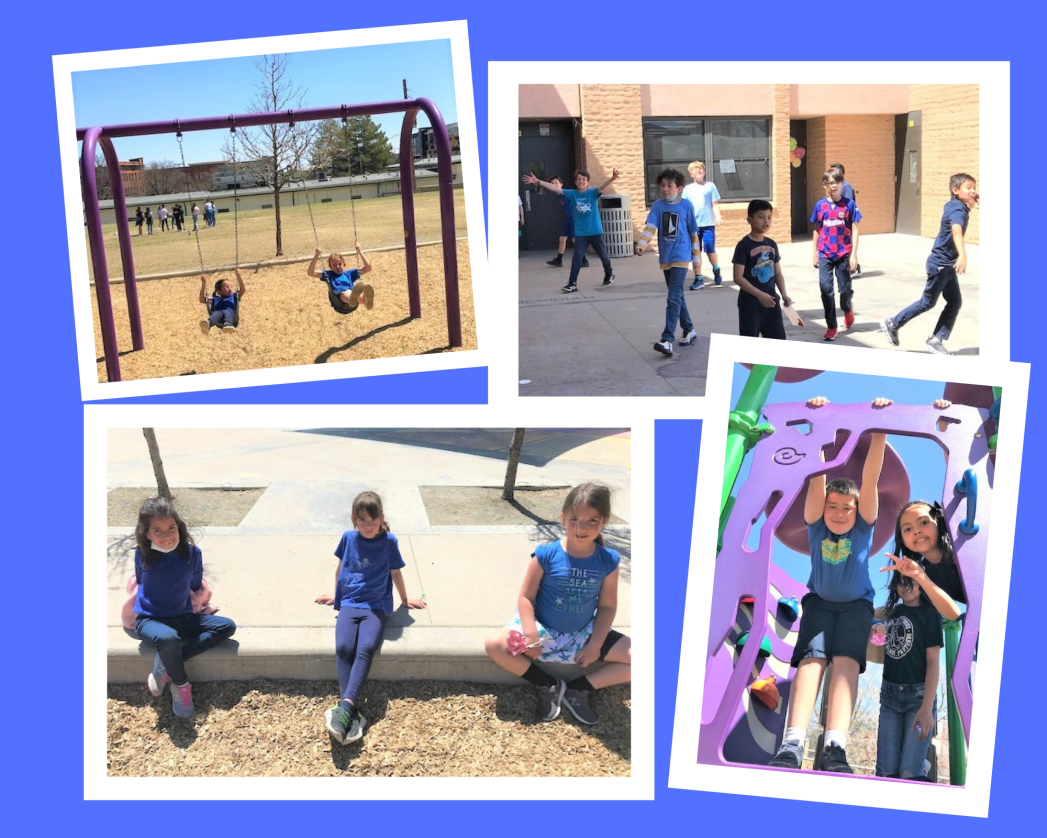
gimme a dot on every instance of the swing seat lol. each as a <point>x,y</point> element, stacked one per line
<point>338,304</point>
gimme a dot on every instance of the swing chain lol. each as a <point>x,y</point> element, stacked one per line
<point>189,192</point>
<point>352,199</point>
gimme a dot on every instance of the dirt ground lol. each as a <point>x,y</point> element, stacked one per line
<point>483,505</point>
<point>268,728</point>
<point>286,320</point>
<point>201,507</point>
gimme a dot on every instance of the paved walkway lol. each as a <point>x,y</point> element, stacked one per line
<point>267,571</point>
<point>598,341</point>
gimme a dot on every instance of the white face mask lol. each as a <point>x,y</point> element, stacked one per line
<point>160,549</point>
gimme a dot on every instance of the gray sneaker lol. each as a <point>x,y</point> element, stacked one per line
<point>577,701</point>
<point>789,756</point>
<point>205,326</point>
<point>182,700</point>
<point>549,701</point>
<point>936,346</point>
<point>688,338</point>
<point>345,726</point>
<point>158,678</point>
<point>890,331</point>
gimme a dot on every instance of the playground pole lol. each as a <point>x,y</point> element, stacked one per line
<point>957,743</point>
<point>743,432</point>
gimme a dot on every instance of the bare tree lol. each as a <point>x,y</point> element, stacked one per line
<point>515,447</point>
<point>163,177</point>
<point>284,147</point>
<point>158,464</point>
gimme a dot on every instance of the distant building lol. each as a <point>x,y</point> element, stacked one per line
<point>423,142</point>
<point>132,173</point>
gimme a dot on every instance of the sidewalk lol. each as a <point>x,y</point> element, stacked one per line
<point>267,571</point>
<point>613,329</point>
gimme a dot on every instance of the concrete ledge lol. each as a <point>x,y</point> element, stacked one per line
<point>307,653</point>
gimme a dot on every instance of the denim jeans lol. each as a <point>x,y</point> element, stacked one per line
<point>222,317</point>
<point>179,638</point>
<point>842,269</point>
<point>675,304</point>
<point>580,245</point>
<point>946,284</point>
<point>899,750</point>
<point>357,637</point>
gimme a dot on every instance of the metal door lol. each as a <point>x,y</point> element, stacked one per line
<point>909,169</point>
<point>547,149</point>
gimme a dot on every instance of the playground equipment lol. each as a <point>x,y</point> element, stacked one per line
<point>103,136</point>
<point>749,590</point>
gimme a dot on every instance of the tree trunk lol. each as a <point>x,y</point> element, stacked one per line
<point>514,460</point>
<point>158,465</point>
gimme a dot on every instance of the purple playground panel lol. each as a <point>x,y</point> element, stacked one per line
<point>103,137</point>
<point>736,729</point>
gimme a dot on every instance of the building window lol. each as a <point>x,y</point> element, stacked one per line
<point>741,145</point>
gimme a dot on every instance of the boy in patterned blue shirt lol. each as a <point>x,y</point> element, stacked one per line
<point>835,249</point>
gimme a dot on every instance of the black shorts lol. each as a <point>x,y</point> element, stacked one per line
<point>612,638</point>
<point>756,320</point>
<point>833,629</point>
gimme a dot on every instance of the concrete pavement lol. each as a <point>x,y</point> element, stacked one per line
<point>598,341</point>
<point>267,571</point>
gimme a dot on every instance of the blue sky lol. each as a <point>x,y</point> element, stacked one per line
<point>923,458</point>
<point>223,86</point>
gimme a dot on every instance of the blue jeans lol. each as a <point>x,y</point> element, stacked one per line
<point>357,637</point>
<point>222,317</point>
<point>675,304</point>
<point>899,750</point>
<point>580,245</point>
<point>842,269</point>
<point>179,638</point>
<point>946,284</point>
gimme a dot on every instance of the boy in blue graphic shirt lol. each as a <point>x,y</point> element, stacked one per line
<point>757,272</point>
<point>673,219</point>
<point>588,229</point>
<point>567,230</point>
<point>948,259</point>
<point>837,613</point>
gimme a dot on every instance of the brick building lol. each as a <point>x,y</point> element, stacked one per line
<point>132,173</point>
<point>899,143</point>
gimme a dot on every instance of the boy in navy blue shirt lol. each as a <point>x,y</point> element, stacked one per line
<point>948,259</point>
<point>588,229</point>
<point>674,221</point>
<point>757,272</point>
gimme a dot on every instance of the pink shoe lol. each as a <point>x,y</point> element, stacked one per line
<point>182,700</point>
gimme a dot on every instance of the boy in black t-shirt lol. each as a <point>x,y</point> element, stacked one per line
<point>757,272</point>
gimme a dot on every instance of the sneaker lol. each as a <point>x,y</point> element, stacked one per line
<point>830,334</point>
<point>848,319</point>
<point>182,700</point>
<point>698,283</point>
<point>569,288</point>
<point>890,331</point>
<point>790,755</point>
<point>857,272</point>
<point>369,298</point>
<point>345,726</point>
<point>549,700</point>
<point>688,338</point>
<point>834,759</point>
<point>577,702</point>
<point>228,330</point>
<point>717,278</point>
<point>936,346</point>
<point>205,326</point>
<point>608,280</point>
<point>665,347</point>
<point>556,263</point>
<point>585,263</point>
<point>158,678</point>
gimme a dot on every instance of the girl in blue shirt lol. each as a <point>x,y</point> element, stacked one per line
<point>369,563</point>
<point>565,610</point>
<point>169,568</point>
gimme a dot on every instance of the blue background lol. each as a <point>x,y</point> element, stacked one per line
<point>42,739</point>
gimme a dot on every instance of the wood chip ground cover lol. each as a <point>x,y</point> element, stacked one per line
<point>268,728</point>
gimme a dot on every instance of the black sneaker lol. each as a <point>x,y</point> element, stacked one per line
<point>556,263</point>
<point>585,263</point>
<point>577,701</point>
<point>789,756</point>
<point>665,347</point>
<point>608,280</point>
<point>569,288</point>
<point>890,331</point>
<point>549,700</point>
<point>834,759</point>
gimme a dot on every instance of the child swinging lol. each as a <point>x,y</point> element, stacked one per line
<point>345,292</point>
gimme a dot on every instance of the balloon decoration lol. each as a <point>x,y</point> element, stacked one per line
<point>796,153</point>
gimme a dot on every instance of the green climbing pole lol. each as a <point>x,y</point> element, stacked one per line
<point>957,742</point>
<point>744,428</point>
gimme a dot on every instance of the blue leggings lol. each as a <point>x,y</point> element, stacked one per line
<point>357,637</point>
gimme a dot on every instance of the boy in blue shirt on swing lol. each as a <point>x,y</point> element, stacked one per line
<point>223,307</point>
<point>344,290</point>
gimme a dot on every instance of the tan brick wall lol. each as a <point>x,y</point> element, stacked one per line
<point>950,144</point>
<point>865,146</point>
<point>612,138</point>
<point>781,170</point>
